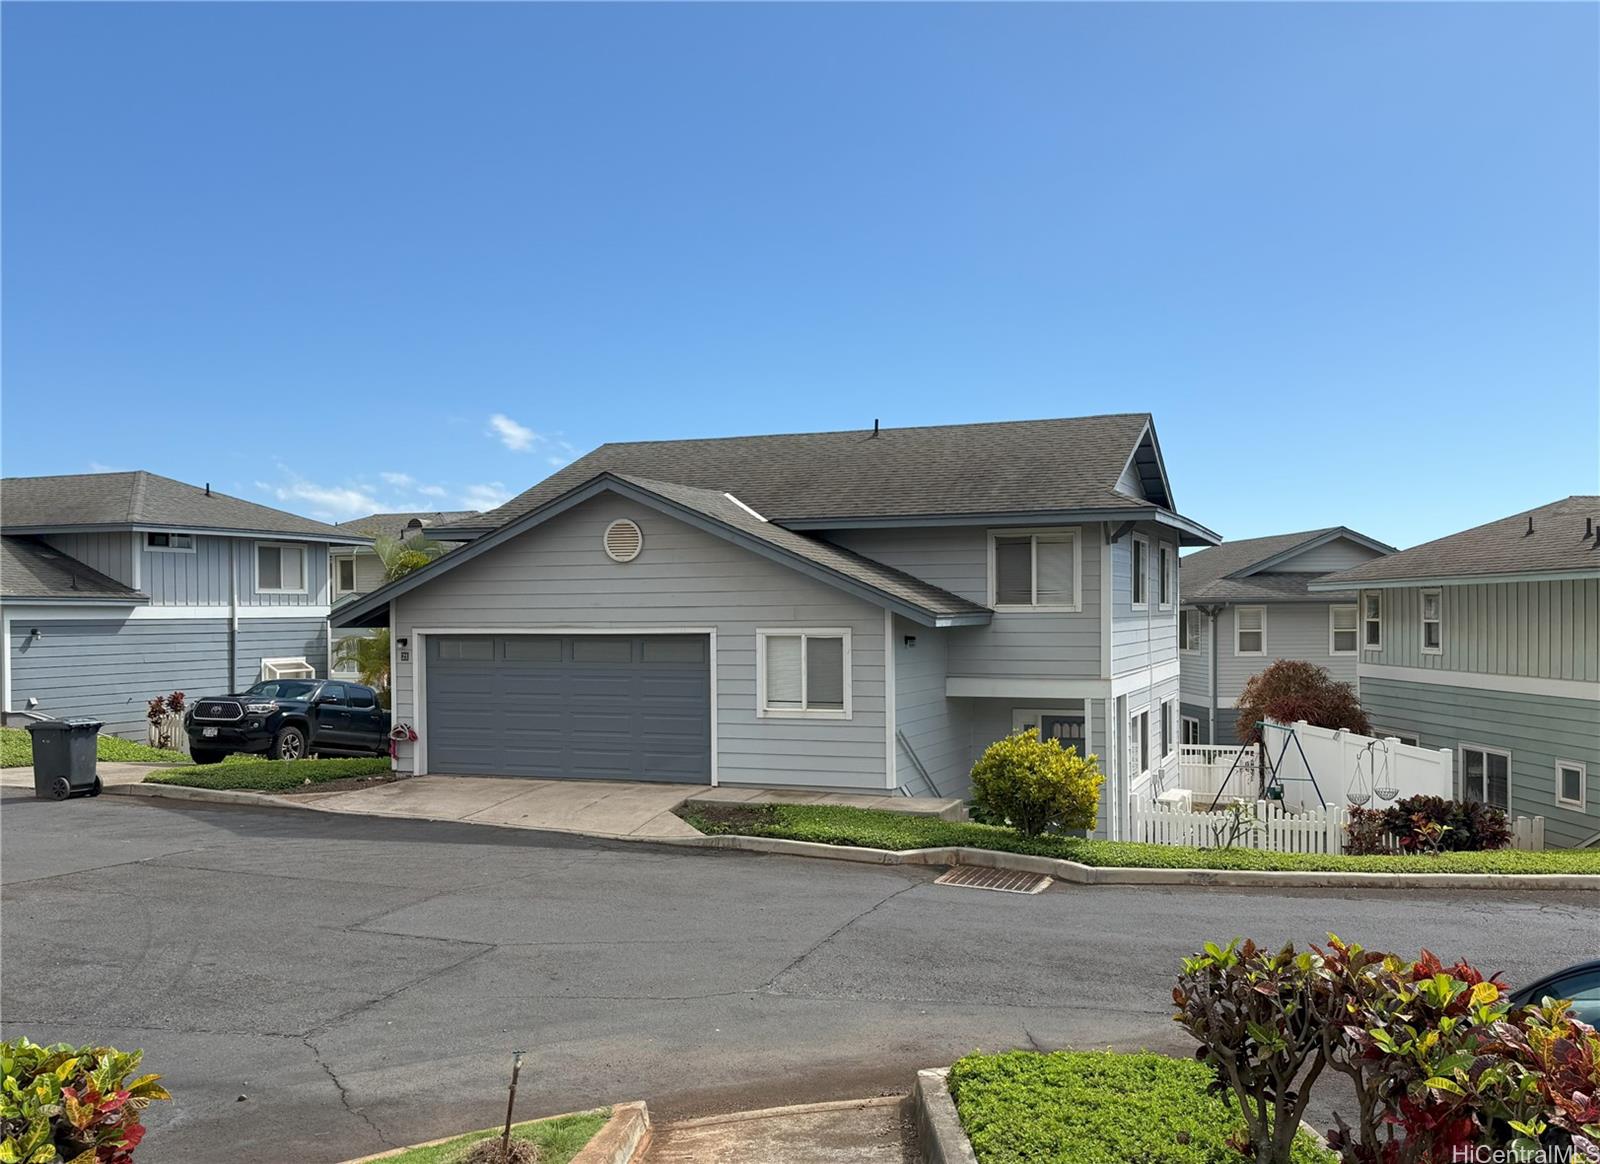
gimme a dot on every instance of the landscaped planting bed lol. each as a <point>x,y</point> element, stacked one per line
<point>249,774</point>
<point>16,750</point>
<point>1099,1107</point>
<point>876,829</point>
<point>559,1140</point>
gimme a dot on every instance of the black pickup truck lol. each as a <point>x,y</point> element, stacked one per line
<point>287,719</point>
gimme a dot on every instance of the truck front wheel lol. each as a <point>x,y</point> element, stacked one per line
<point>288,744</point>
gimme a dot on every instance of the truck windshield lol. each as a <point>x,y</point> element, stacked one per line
<point>284,689</point>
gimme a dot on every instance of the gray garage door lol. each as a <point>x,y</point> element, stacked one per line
<point>597,707</point>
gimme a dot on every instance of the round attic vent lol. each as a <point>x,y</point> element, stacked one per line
<point>623,541</point>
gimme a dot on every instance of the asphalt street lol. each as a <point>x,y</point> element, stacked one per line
<point>315,987</point>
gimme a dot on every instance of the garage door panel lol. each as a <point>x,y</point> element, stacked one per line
<point>591,707</point>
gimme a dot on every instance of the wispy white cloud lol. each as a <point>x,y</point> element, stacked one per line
<point>519,438</point>
<point>398,480</point>
<point>489,495</point>
<point>433,491</point>
<point>325,502</point>
<point>97,467</point>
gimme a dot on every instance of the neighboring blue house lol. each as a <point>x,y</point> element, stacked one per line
<point>118,587</point>
<point>860,611</point>
<point>1487,642</point>
<point>1248,603</point>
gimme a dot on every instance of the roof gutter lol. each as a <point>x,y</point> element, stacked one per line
<point>82,600</point>
<point>1199,535</point>
<point>333,537</point>
<point>1452,580</point>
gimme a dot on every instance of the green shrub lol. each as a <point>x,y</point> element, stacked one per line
<point>1419,824</point>
<point>1036,785</point>
<point>71,1104</point>
<point>1098,1107</point>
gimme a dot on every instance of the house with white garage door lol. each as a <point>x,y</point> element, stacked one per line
<point>861,611</point>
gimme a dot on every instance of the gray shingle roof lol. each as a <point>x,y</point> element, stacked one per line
<point>31,569</point>
<point>885,579</point>
<point>1029,466</point>
<point>144,499</point>
<point>1199,570</point>
<point>1233,571</point>
<point>1556,545</point>
<point>395,525</point>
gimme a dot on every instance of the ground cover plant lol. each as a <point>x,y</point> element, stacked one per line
<point>16,750</point>
<point>256,775</point>
<point>558,1140</point>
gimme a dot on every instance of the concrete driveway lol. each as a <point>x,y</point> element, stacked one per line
<point>361,982</point>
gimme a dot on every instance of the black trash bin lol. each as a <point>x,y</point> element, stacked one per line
<point>64,756</point>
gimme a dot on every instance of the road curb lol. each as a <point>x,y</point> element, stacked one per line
<point>1070,872</point>
<point>940,1137</point>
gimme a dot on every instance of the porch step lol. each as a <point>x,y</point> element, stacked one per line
<point>944,807</point>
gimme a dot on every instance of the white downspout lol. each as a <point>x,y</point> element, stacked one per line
<point>233,613</point>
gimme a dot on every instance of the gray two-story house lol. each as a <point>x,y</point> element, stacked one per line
<point>1248,603</point>
<point>860,611</point>
<point>118,587</point>
<point>1487,642</point>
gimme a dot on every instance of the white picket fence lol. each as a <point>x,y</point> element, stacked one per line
<point>1277,829</point>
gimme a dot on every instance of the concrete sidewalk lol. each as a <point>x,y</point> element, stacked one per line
<point>866,1131</point>
<point>110,773</point>
<point>602,808</point>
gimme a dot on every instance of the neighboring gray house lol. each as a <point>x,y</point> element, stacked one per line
<point>355,570</point>
<point>1487,642</point>
<point>118,587</point>
<point>862,611</point>
<point>1247,604</point>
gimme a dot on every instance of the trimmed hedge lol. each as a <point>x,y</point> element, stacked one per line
<point>16,750</point>
<point>877,829</point>
<point>269,775</point>
<point>1099,1107</point>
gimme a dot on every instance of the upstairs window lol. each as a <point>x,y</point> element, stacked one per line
<point>1140,589</point>
<point>181,543</point>
<point>344,574</point>
<point>1342,630</point>
<point>1034,570</point>
<point>280,569</point>
<point>1249,630</point>
<point>1372,620</point>
<point>1189,630</point>
<point>804,673</point>
<point>1432,622</point>
<point>1165,583</point>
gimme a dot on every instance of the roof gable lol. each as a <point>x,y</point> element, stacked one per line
<point>722,514</point>
<point>1273,568</point>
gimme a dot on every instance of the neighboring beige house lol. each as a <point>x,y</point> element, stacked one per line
<point>1248,603</point>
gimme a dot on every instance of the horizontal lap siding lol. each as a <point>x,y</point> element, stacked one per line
<point>1545,630</point>
<point>1537,730</point>
<point>1294,630</point>
<point>280,638</point>
<point>1195,673</point>
<point>935,726</point>
<point>1014,644</point>
<point>1141,638</point>
<point>110,670</point>
<point>558,576</point>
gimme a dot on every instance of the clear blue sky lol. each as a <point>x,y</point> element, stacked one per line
<point>1346,254</point>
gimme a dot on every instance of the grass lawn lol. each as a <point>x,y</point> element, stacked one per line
<point>876,829</point>
<point>559,1139</point>
<point>16,750</point>
<point>1099,1107</point>
<point>255,775</point>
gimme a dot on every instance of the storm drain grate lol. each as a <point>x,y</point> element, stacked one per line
<point>1003,880</point>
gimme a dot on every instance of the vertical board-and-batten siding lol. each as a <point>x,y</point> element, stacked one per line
<point>1015,644</point>
<point>109,669</point>
<point>1144,637</point>
<point>1542,630</point>
<point>184,578</point>
<point>316,576</point>
<point>557,576</point>
<point>109,553</point>
<point>1537,730</point>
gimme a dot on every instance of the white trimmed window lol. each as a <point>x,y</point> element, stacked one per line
<point>1169,737</point>
<point>1250,630</point>
<point>1342,630</point>
<point>170,543</point>
<point>344,574</point>
<point>280,569</point>
<point>1372,620</point>
<point>1570,780</point>
<point>1432,622</point>
<point>1034,570</point>
<point>1189,630</point>
<point>1139,741</point>
<point>1191,730</point>
<point>1486,776</point>
<point>804,673</point>
<point>1166,579</point>
<point>1140,577</point>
